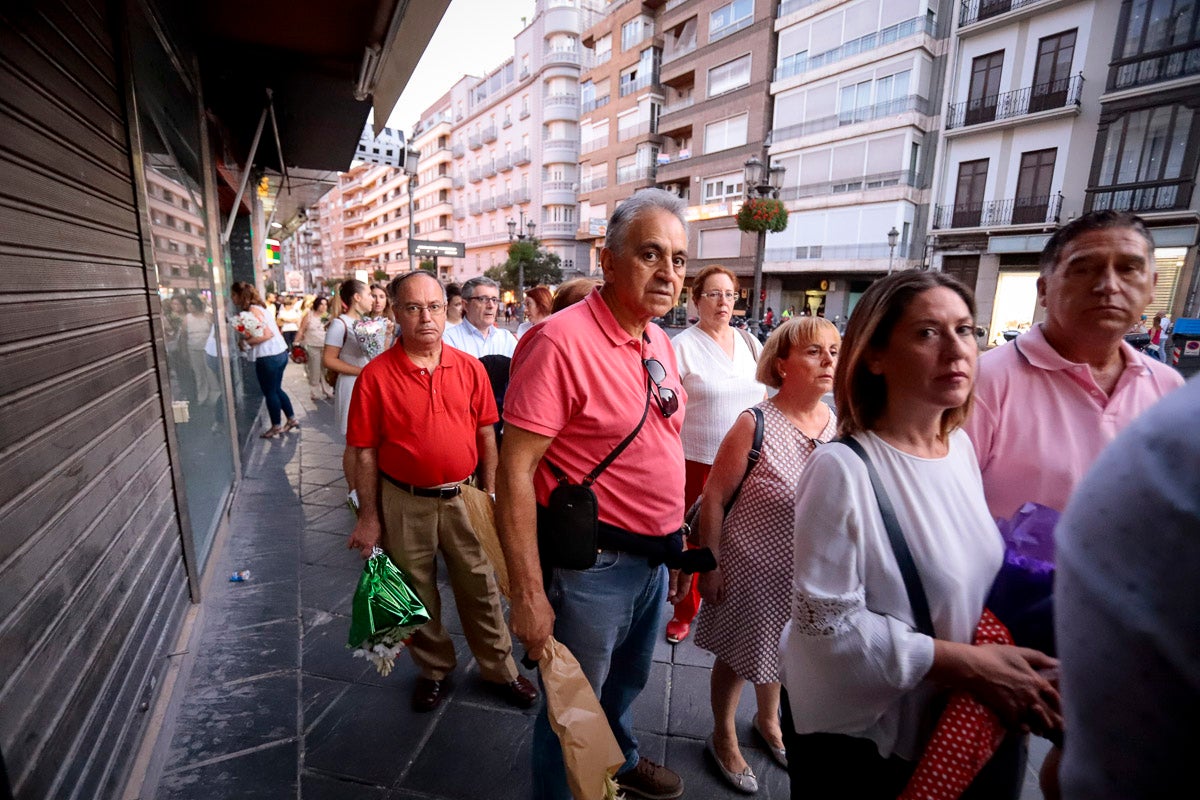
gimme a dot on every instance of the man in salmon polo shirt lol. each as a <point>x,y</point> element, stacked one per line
<point>414,395</point>
<point>578,388</point>
<point>1049,401</point>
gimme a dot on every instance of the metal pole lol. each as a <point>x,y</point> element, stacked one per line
<point>412,264</point>
<point>755,300</point>
<point>891,255</point>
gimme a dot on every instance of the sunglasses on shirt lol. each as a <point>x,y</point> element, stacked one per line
<point>664,397</point>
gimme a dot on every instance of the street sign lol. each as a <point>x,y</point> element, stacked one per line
<point>450,249</point>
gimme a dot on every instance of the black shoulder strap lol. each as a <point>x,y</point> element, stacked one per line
<point>904,559</point>
<point>752,457</point>
<point>561,476</point>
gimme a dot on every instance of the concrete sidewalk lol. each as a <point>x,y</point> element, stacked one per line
<point>271,704</point>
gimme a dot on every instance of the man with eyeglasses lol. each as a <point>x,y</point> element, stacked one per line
<point>417,393</point>
<point>478,334</point>
<point>581,384</point>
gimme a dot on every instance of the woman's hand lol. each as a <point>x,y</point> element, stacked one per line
<point>1006,679</point>
<point>712,587</point>
<point>679,584</point>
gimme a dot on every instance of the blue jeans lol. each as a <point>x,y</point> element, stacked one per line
<point>609,617</point>
<point>269,371</point>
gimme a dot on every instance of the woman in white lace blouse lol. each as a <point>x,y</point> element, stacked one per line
<point>863,686</point>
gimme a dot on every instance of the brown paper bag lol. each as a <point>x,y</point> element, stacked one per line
<point>590,751</point>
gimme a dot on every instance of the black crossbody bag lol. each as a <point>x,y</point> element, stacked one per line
<point>568,526</point>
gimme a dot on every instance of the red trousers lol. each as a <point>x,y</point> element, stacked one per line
<point>695,475</point>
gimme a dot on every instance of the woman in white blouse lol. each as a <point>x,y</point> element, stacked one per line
<point>862,686</point>
<point>717,365</point>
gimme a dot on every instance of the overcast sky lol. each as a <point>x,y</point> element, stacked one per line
<point>474,37</point>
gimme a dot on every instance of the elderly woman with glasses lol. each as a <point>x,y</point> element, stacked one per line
<point>749,529</point>
<point>717,364</point>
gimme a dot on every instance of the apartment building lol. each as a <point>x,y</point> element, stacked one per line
<point>1148,144</point>
<point>515,142</point>
<point>377,214</point>
<point>1019,130</point>
<point>331,232</point>
<point>857,100</point>
<point>717,65</point>
<point>620,99</point>
<point>432,207</point>
<point>177,231</point>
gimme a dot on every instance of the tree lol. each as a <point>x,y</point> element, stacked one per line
<point>541,267</point>
<point>381,275</point>
<point>429,265</point>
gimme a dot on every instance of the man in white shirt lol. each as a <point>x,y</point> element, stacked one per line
<point>478,334</point>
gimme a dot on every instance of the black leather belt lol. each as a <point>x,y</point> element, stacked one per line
<point>441,493</point>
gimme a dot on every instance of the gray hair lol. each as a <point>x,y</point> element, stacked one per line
<point>393,288</point>
<point>642,201</point>
<point>468,288</point>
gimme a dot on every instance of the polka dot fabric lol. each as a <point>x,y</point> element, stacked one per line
<point>966,736</point>
<point>756,555</point>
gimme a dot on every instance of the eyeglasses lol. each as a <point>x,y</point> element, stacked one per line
<point>718,295</point>
<point>414,310</point>
<point>665,398</point>
<point>487,301</point>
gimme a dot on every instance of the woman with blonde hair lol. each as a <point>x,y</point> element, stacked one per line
<point>746,519</point>
<point>872,647</point>
<point>270,355</point>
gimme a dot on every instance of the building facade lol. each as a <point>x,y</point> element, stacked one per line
<point>857,103</point>
<point>432,206</point>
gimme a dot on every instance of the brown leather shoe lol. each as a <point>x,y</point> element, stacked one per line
<point>520,693</point>
<point>650,781</point>
<point>427,693</point>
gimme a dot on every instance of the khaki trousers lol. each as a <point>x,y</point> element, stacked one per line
<point>415,529</point>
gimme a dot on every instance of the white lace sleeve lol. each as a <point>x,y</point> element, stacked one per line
<point>844,665</point>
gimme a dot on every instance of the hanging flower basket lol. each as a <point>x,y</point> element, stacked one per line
<point>760,214</point>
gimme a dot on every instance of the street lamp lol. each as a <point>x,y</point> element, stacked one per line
<point>893,237</point>
<point>513,228</point>
<point>410,166</point>
<point>764,183</point>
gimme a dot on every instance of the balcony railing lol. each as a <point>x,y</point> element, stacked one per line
<point>475,175</point>
<point>1144,197</point>
<point>978,10</point>
<point>562,99</point>
<point>634,131</point>
<point>524,114</point>
<point>879,180</point>
<point>558,186</point>
<point>789,6</point>
<point>853,116</point>
<point>505,200</point>
<point>729,30</point>
<point>460,212</point>
<point>560,144</point>
<point>521,157</point>
<point>474,142</point>
<point>679,52</point>
<point>489,134</point>
<point>842,252</point>
<point>559,229</point>
<point>600,58</point>
<point>504,163</point>
<point>594,144</point>
<point>999,213</point>
<point>489,169</point>
<point>458,150</point>
<point>803,62</point>
<point>507,123</point>
<point>457,182</point>
<point>489,204</point>
<point>564,56</point>
<point>629,87</point>
<point>593,183</point>
<point>591,105</point>
<point>1143,70</point>
<point>635,173</point>
<point>1061,93</point>
<point>679,105</point>
<point>494,237</point>
<point>476,207</point>
<point>521,195</point>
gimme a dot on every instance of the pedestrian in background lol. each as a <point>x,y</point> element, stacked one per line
<point>345,355</point>
<point>717,364</point>
<point>288,318</point>
<point>571,292</point>
<point>381,308</point>
<point>197,325</point>
<point>420,422</point>
<point>478,335</point>
<point>748,597</point>
<point>270,356</point>
<point>538,304</point>
<point>312,337</point>
<point>863,684</point>
<point>454,305</point>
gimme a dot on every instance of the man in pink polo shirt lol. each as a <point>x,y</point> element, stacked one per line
<point>581,384</point>
<point>1048,402</point>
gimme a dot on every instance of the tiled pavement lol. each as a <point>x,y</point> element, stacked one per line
<point>275,707</point>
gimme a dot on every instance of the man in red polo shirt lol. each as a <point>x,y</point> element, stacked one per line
<point>420,421</point>
<point>579,387</point>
